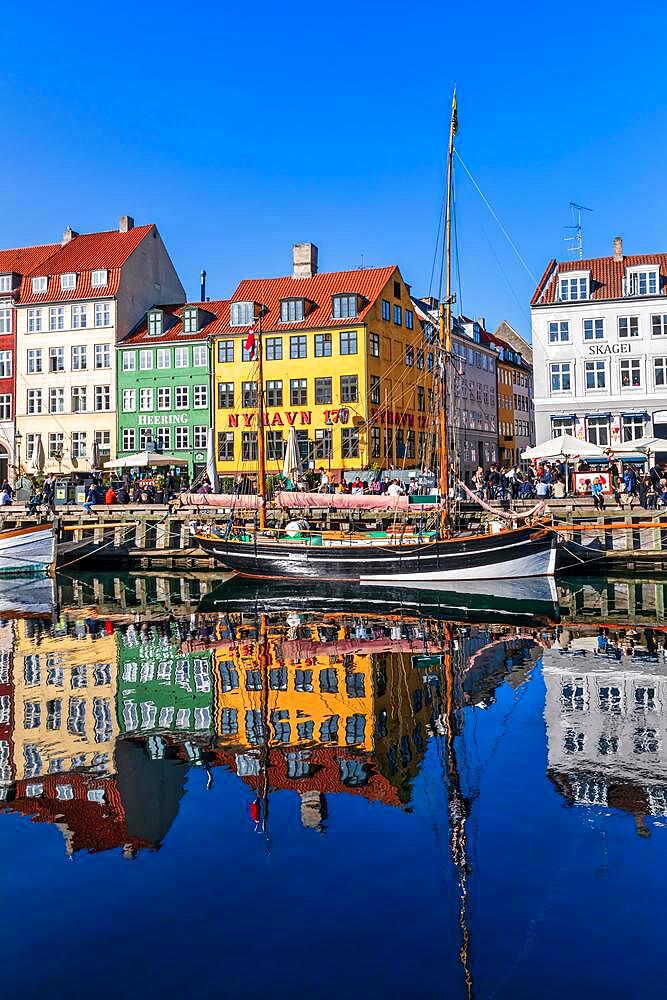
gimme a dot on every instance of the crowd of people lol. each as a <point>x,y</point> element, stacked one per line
<point>548,480</point>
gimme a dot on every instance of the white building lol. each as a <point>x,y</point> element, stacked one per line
<point>71,309</point>
<point>600,348</point>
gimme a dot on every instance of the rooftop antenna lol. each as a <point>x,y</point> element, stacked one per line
<point>362,262</point>
<point>577,238</point>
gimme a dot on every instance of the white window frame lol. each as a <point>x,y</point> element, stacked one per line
<point>633,276</point>
<point>34,320</point>
<point>242,314</point>
<point>5,283</point>
<point>80,352</point>
<point>5,364</point>
<point>560,365</point>
<point>595,367</point>
<point>103,353</point>
<point>68,281</point>
<point>163,397</point>
<point>39,284</point>
<point>567,280</point>
<point>56,317</point>
<point>201,392</point>
<point>199,436</point>
<point>146,399</point>
<point>79,317</point>
<point>79,444</point>
<point>632,365</point>
<point>181,357</point>
<point>662,318</point>
<point>199,356</point>
<point>102,393</point>
<point>128,438</point>
<point>129,401</point>
<point>181,397</point>
<point>182,437</point>
<point>99,278</point>
<point>163,358</point>
<point>146,355</point>
<point>5,319</point>
<point>102,314</point>
<point>628,320</point>
<point>594,320</point>
<point>663,365</point>
<point>129,361</point>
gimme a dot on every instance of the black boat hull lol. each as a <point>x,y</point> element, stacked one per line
<point>523,552</point>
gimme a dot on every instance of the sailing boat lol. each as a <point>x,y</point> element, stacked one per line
<point>388,558</point>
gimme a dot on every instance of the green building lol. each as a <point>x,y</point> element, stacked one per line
<point>160,688</point>
<point>164,382</point>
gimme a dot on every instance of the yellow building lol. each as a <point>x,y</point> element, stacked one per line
<point>64,695</point>
<point>344,363</point>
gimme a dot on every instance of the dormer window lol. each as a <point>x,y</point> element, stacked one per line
<point>5,283</point>
<point>573,287</point>
<point>39,284</point>
<point>155,323</point>
<point>68,281</point>
<point>642,281</point>
<point>190,319</point>
<point>99,278</point>
<point>242,313</point>
<point>344,306</point>
<point>291,310</point>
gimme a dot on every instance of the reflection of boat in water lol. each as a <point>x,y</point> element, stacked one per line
<point>514,602</point>
<point>27,550</point>
<point>26,596</point>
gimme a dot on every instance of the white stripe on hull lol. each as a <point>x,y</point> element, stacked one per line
<point>27,553</point>
<point>538,564</point>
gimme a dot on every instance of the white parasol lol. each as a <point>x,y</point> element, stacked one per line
<point>292,464</point>
<point>145,460</point>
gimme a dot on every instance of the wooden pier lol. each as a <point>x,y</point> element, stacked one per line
<point>155,536</point>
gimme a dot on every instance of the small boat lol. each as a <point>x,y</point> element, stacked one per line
<point>28,550</point>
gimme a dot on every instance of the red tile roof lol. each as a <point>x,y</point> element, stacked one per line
<point>24,259</point>
<point>319,289</point>
<point>607,276</point>
<point>82,255</point>
<point>219,309</point>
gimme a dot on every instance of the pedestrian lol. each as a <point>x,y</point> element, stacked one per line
<point>5,496</point>
<point>596,490</point>
<point>110,497</point>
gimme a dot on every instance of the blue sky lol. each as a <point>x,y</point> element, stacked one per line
<point>240,129</point>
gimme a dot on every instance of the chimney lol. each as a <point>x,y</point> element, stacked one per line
<point>618,248</point>
<point>68,235</point>
<point>202,286</point>
<point>304,257</point>
<point>125,223</point>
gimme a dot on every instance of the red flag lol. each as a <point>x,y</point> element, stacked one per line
<point>250,342</point>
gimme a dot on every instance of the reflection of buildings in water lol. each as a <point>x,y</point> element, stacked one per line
<point>333,721</point>
<point>63,694</point>
<point>161,688</point>
<point>606,730</point>
<point>60,759</point>
<point>492,660</point>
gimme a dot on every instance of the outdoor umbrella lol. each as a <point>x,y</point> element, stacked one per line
<point>292,464</point>
<point>38,456</point>
<point>145,460</point>
<point>564,446</point>
<point>648,444</point>
<point>95,460</point>
<point>211,470</point>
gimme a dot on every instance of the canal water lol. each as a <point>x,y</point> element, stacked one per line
<point>256,791</point>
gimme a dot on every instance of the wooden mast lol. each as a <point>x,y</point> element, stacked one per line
<point>445,317</point>
<point>261,450</point>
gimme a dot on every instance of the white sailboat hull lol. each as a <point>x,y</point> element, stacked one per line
<point>27,550</point>
<point>531,564</point>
